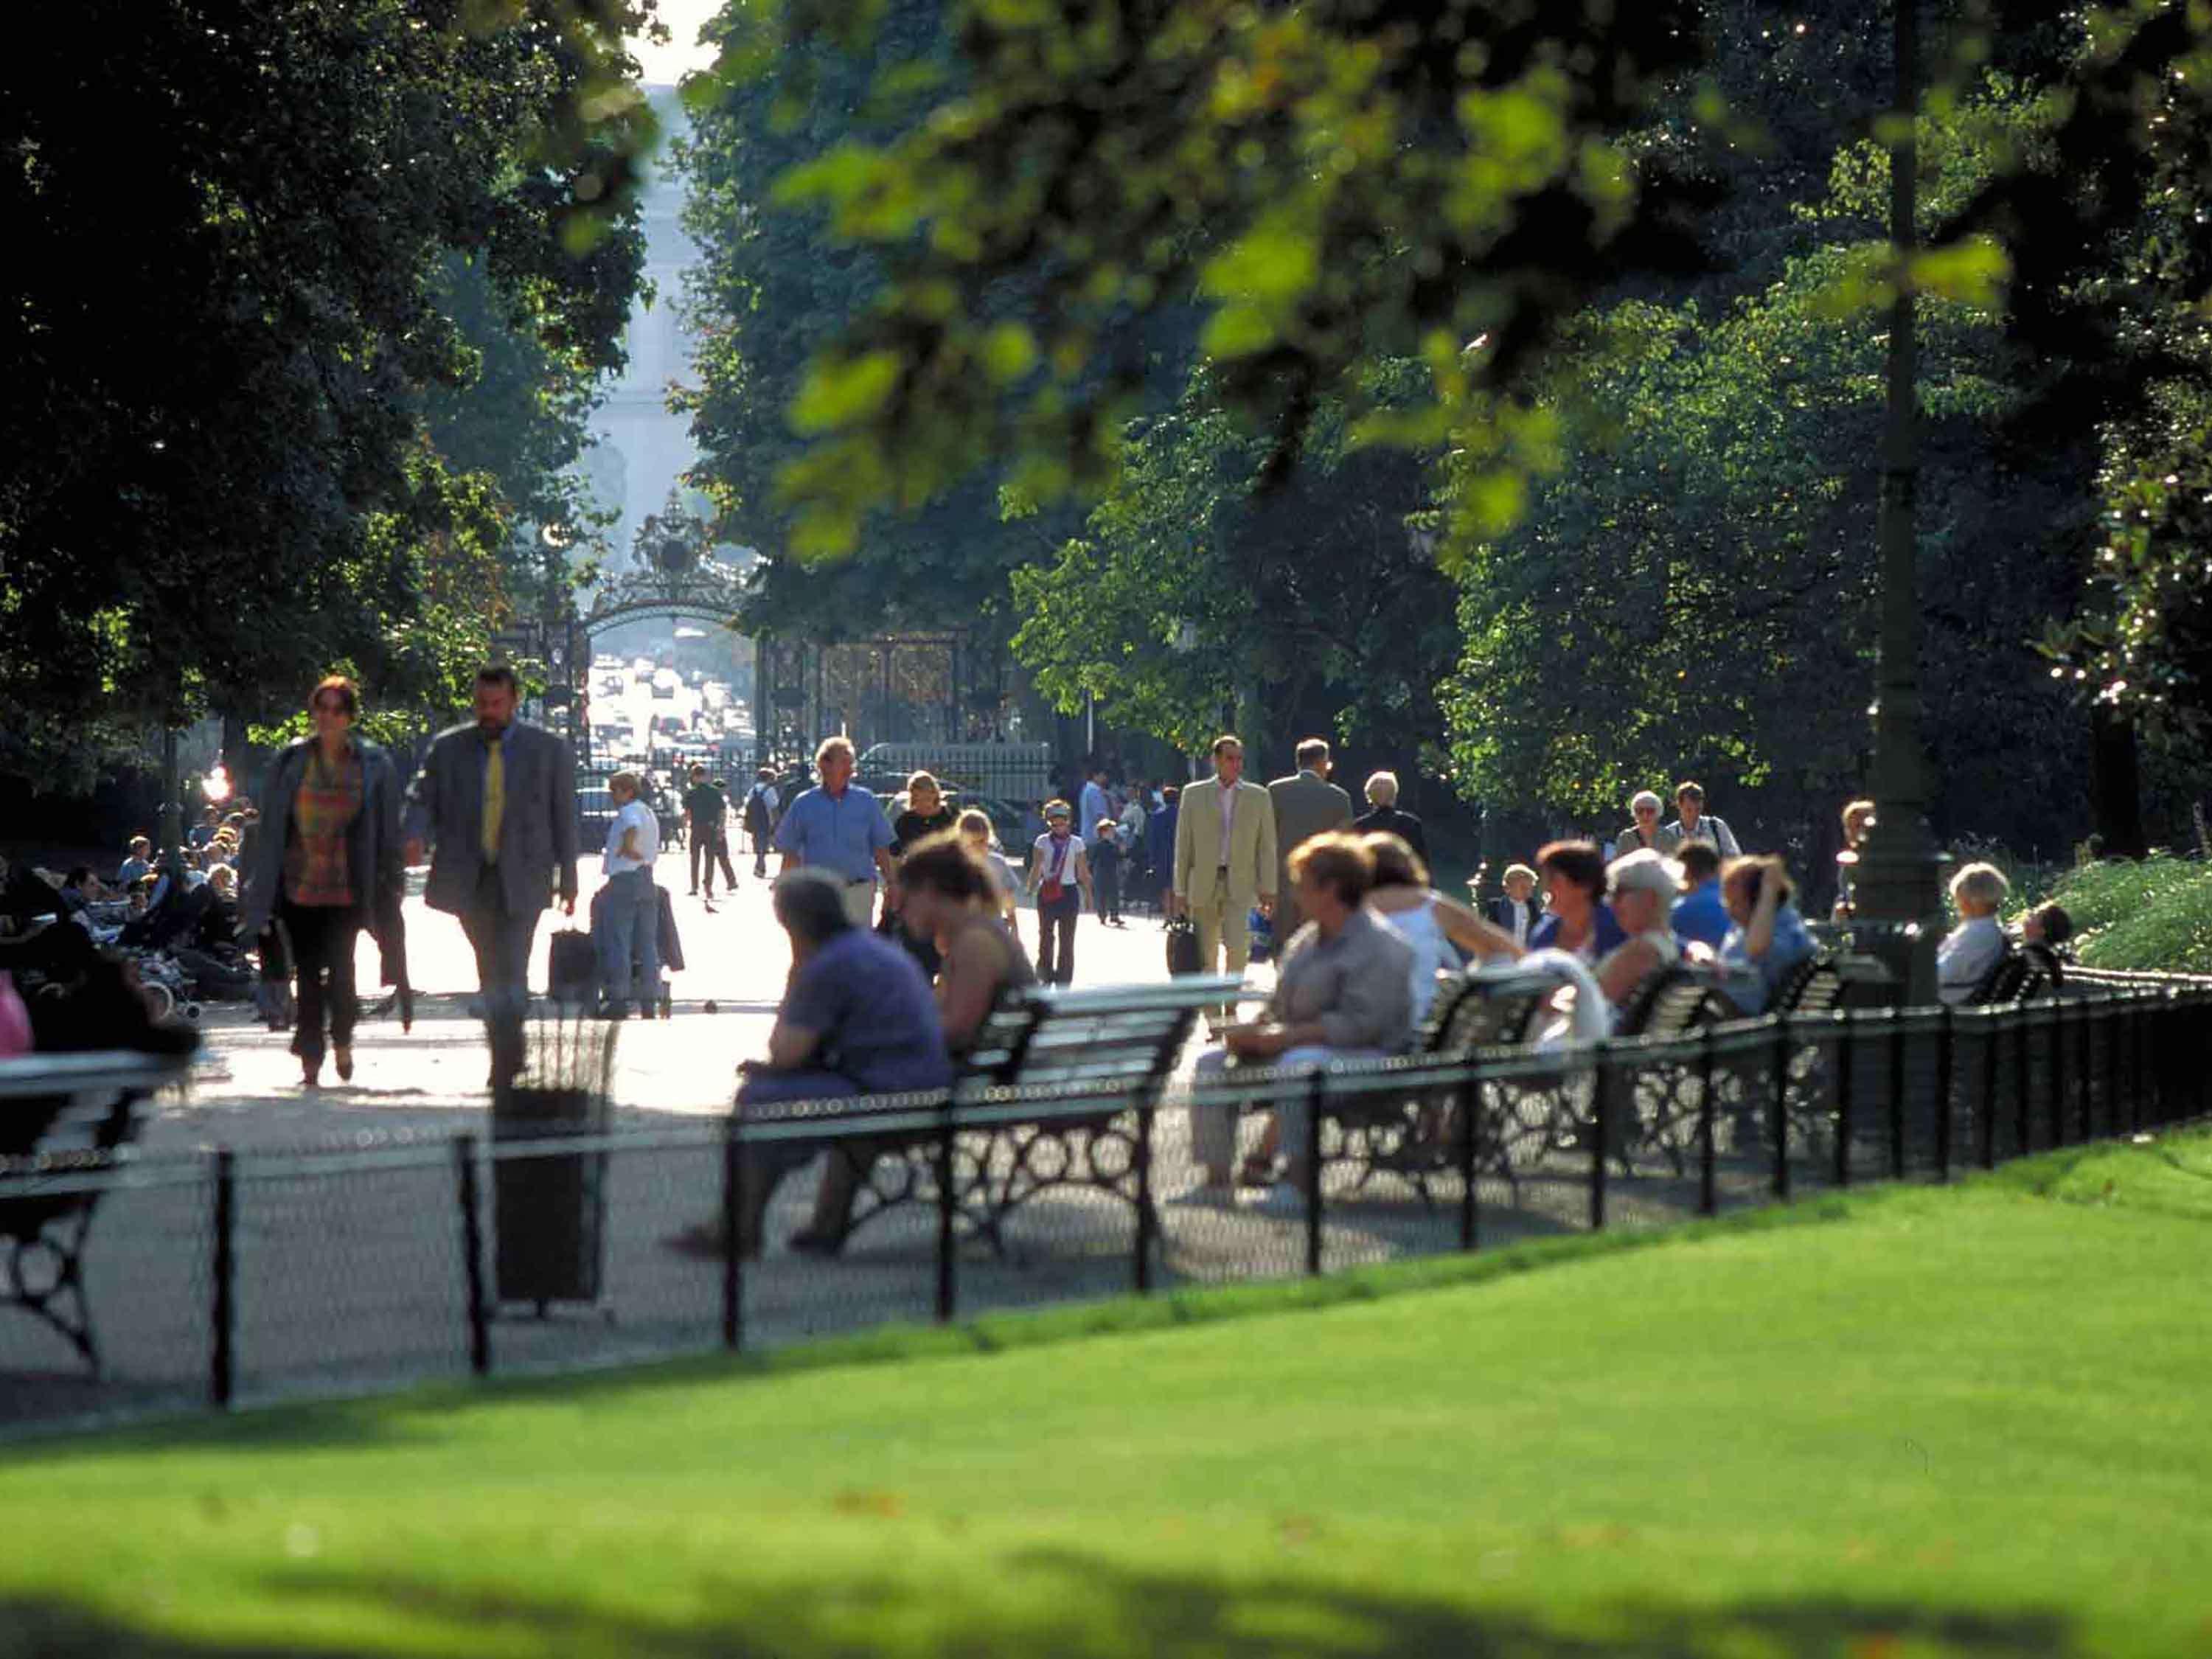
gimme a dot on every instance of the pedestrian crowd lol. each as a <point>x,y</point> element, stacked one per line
<point>925,934</point>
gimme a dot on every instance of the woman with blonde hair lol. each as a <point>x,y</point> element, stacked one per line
<point>1425,919</point>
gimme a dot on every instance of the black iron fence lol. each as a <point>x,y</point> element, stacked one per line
<point>237,1277</point>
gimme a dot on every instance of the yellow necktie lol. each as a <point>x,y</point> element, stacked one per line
<point>494,802</point>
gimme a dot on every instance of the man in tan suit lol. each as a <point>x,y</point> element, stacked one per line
<point>1306,804</point>
<point>1225,859</point>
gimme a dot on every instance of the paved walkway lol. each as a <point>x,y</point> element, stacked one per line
<point>246,1091</point>
<point>350,1278</point>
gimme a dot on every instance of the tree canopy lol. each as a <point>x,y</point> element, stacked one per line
<point>248,243</point>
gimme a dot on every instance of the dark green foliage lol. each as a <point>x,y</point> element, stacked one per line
<point>1196,598</point>
<point>226,227</point>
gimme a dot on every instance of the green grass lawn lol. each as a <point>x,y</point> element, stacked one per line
<point>1969,1422</point>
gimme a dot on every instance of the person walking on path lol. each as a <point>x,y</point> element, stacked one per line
<point>1693,822</point>
<point>705,811</point>
<point>1104,856</point>
<point>1382,816</point>
<point>1092,805</point>
<point>1060,876</point>
<point>497,801</point>
<point>925,814</point>
<point>330,866</point>
<point>762,802</point>
<point>1160,847</point>
<point>1306,804</point>
<point>840,827</point>
<point>629,912</point>
<point>1643,832</point>
<point>1129,836</point>
<point>1224,860</point>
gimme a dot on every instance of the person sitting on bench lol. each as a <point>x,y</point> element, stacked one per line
<point>857,1018</point>
<point>1978,944</point>
<point>1343,992</point>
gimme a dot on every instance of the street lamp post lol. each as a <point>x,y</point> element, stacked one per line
<point>1899,870</point>
<point>173,811</point>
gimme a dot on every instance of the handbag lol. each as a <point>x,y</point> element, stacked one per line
<point>1182,947</point>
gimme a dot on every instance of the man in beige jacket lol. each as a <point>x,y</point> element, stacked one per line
<point>1225,859</point>
<point>1306,804</point>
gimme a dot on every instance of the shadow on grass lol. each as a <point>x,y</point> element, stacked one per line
<point>1067,1604</point>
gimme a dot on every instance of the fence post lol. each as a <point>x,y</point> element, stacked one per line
<point>1896,1096</point>
<point>1317,1090</point>
<point>1846,1067</point>
<point>1709,1197</point>
<point>1146,1220</point>
<point>1470,1102</point>
<point>1780,1107</point>
<point>1946,1035</point>
<point>946,1204</point>
<point>223,1359</point>
<point>2085,1067</point>
<point>2138,1073</point>
<point>2023,1084</point>
<point>733,1255</point>
<point>465,1170</point>
<point>2058,1075</point>
<point>1985,1114</point>
<point>1600,1127</point>
<point>2204,1076</point>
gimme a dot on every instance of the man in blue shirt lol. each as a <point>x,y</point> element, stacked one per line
<point>1699,916</point>
<point>839,827</point>
<point>1091,805</point>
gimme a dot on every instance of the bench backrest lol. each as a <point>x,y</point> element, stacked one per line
<point>77,1102</point>
<point>1117,1040</point>
<point>2009,978</point>
<point>1814,986</point>
<point>1473,1010</point>
<point>1672,1002</point>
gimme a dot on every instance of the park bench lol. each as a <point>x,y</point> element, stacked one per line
<point>62,1117</point>
<point>1048,1097</point>
<point>2016,977</point>
<point>1414,1134</point>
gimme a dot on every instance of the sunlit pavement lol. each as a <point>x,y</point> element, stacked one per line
<point>247,1091</point>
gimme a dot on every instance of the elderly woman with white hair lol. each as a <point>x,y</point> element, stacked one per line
<point>1382,816</point>
<point>1643,831</point>
<point>1641,889</point>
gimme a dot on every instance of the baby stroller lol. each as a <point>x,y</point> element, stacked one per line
<point>1260,930</point>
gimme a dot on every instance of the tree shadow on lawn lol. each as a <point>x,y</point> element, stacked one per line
<point>1072,1606</point>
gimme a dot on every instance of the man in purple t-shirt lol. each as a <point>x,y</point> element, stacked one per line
<point>857,1018</point>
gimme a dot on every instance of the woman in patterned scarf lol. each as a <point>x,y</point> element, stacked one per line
<point>330,861</point>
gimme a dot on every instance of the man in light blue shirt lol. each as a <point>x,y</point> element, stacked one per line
<point>839,827</point>
<point>1091,805</point>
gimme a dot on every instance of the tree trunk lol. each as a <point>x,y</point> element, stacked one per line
<point>2116,786</point>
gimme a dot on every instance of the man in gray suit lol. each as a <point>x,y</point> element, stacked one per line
<point>1306,804</point>
<point>497,798</point>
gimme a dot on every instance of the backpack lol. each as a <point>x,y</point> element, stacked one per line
<point>757,813</point>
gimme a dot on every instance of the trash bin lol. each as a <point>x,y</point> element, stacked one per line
<point>548,1212</point>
